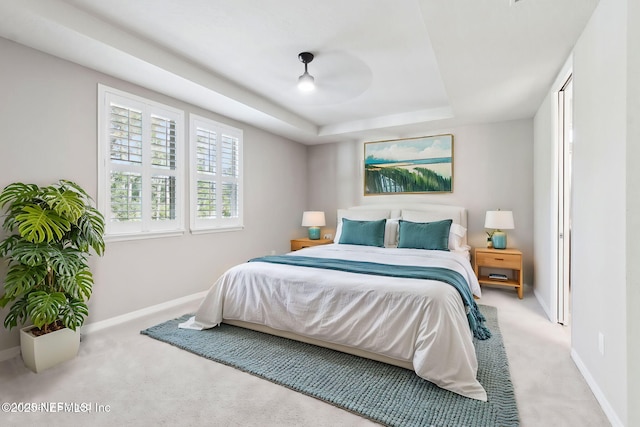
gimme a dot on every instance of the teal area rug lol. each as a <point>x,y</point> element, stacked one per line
<point>383,393</point>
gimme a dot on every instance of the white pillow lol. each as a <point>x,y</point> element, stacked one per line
<point>456,232</point>
<point>360,215</point>
<point>424,216</point>
<point>456,238</point>
<point>391,233</point>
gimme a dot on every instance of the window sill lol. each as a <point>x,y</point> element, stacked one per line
<point>216,230</point>
<point>143,235</point>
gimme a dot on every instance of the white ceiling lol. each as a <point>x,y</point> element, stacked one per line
<point>383,68</point>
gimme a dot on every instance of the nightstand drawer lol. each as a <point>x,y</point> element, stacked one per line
<point>498,260</point>
<point>297,244</point>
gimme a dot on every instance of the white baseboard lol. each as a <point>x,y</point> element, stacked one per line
<point>103,324</point>
<point>600,397</point>
<point>552,317</point>
<point>107,323</point>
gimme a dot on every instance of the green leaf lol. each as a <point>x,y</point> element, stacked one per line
<point>66,262</point>
<point>39,225</point>
<point>44,308</point>
<point>75,187</point>
<point>91,230</point>
<point>31,254</point>
<point>12,212</point>
<point>74,313</point>
<point>79,286</point>
<point>68,204</point>
<point>7,245</point>
<point>17,313</point>
<point>5,300</point>
<point>18,193</point>
<point>21,278</point>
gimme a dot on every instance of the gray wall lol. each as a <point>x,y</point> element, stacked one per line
<point>606,207</point>
<point>48,113</point>
<point>492,169</point>
<point>633,212</point>
<point>605,292</point>
<point>599,199</point>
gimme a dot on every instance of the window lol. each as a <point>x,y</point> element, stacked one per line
<point>216,175</point>
<point>140,165</point>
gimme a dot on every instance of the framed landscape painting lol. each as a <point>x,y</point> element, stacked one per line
<point>413,165</point>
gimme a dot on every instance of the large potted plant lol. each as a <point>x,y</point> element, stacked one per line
<point>51,231</point>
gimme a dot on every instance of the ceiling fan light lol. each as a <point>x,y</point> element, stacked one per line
<point>306,82</point>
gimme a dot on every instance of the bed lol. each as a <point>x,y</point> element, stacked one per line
<point>395,286</point>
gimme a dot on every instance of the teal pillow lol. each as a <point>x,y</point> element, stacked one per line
<point>425,235</point>
<point>367,233</point>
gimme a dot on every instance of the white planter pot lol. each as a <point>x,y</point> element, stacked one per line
<point>45,351</point>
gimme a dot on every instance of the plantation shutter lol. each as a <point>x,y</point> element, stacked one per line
<point>216,176</point>
<point>140,168</point>
<point>206,166</point>
<point>125,138</point>
<point>229,166</point>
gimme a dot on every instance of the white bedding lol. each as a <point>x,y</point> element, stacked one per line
<point>418,321</point>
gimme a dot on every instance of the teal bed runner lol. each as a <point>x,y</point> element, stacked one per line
<point>453,278</point>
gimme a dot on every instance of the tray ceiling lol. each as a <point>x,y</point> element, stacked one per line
<point>383,68</point>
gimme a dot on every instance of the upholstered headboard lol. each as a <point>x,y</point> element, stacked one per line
<point>457,213</point>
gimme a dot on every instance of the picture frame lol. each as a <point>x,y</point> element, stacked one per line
<point>407,166</point>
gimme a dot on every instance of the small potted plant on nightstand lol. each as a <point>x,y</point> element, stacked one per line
<point>489,241</point>
<point>51,232</point>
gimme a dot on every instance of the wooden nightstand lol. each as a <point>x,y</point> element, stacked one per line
<point>502,259</point>
<point>297,244</point>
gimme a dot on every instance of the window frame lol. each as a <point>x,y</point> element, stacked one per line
<point>146,227</point>
<point>218,224</point>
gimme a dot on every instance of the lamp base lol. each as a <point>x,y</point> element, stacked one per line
<point>499,239</point>
<point>314,233</point>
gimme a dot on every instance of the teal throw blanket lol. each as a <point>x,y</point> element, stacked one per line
<point>453,278</point>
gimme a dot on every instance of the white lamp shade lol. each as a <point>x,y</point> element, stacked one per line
<point>313,219</point>
<point>499,220</point>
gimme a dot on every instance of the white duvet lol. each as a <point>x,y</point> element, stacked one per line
<point>412,320</point>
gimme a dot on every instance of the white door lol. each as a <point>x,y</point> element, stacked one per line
<point>565,139</point>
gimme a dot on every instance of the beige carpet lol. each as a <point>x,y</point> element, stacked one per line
<point>146,382</point>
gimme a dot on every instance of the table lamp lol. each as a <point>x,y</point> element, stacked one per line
<point>314,220</point>
<point>499,220</point>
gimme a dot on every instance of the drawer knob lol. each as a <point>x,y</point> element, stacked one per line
<point>499,259</point>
